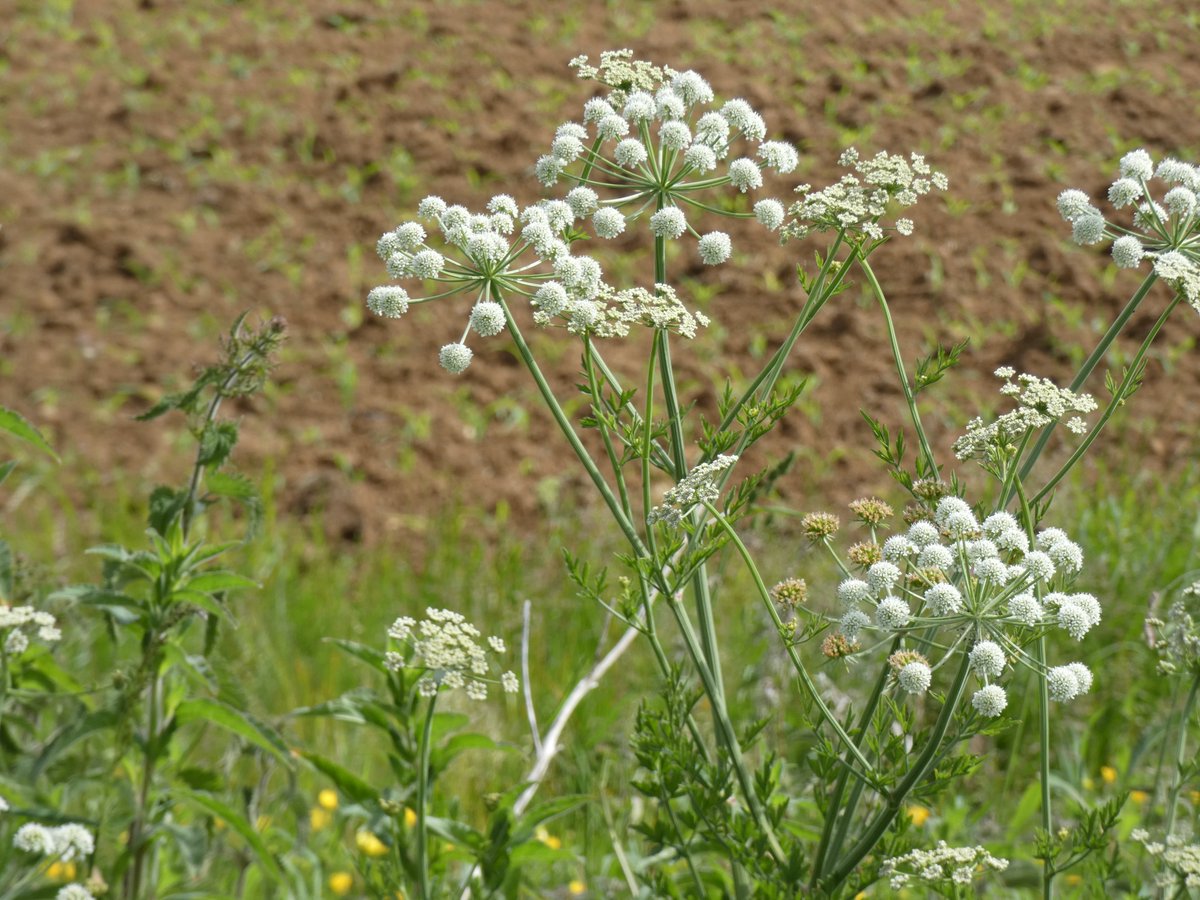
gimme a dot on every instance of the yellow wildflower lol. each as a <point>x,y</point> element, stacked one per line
<point>328,799</point>
<point>547,838</point>
<point>1073,879</point>
<point>319,818</point>
<point>340,883</point>
<point>1109,774</point>
<point>1139,796</point>
<point>369,843</point>
<point>61,871</point>
<point>918,814</point>
<point>576,887</point>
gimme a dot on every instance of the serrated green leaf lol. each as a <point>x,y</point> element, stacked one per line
<point>16,425</point>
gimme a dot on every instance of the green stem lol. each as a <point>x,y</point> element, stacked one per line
<point>834,811</point>
<point>568,431</point>
<point>423,753</point>
<point>1118,399</point>
<point>1180,753</point>
<point>599,414</point>
<point>797,663</point>
<point>895,798</point>
<point>1089,364</point>
<point>909,396</point>
<point>137,828</point>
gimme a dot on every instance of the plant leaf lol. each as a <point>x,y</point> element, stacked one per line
<point>16,425</point>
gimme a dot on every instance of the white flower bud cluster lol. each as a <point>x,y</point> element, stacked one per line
<point>860,200</point>
<point>448,648</point>
<point>1165,230</point>
<point>987,585</point>
<point>1039,403</point>
<point>18,623</point>
<point>699,486</point>
<point>944,866</point>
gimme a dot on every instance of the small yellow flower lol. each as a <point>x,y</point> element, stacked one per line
<point>341,883</point>
<point>1109,774</point>
<point>918,814</point>
<point>861,895</point>
<point>1139,796</point>
<point>410,818</point>
<point>328,799</point>
<point>1073,879</point>
<point>576,887</point>
<point>319,818</point>
<point>547,838</point>
<point>369,843</point>
<point>61,871</point>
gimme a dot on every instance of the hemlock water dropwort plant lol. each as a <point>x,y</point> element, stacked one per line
<point>945,611</point>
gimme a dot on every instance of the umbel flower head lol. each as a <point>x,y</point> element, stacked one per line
<point>654,147</point>
<point>448,648</point>
<point>19,623</point>
<point>944,866</point>
<point>1039,403</point>
<point>983,589</point>
<point>701,485</point>
<point>1164,227</point>
<point>859,201</point>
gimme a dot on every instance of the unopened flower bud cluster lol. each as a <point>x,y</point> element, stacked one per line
<point>944,866</point>
<point>1039,403</point>
<point>449,649</point>
<point>984,586</point>
<point>1165,227</point>
<point>1176,639</point>
<point>861,199</point>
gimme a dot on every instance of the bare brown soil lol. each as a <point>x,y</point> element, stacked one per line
<point>165,165</point>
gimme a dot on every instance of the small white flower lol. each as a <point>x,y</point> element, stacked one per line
<point>990,700</point>
<point>612,127</point>
<point>1025,609</point>
<point>882,577</point>
<point>742,116</point>
<point>1039,565</point>
<point>745,175</point>
<point>1083,675</point>
<point>1087,229</point>
<point>1074,203</point>
<point>915,678</point>
<point>1123,192</point>
<point>630,153</point>
<point>897,548</point>
<point>509,682</point>
<point>769,213</point>
<point>550,299</point>
<point>715,248</point>
<point>852,591</point>
<point>780,156</point>
<point>582,200</point>
<point>1127,252</point>
<point>987,659</point>
<point>668,222</point>
<point>74,892</point>
<point>944,599</point>
<point>700,157</point>
<point>853,622</point>
<point>608,222</point>
<point>892,613</point>
<point>548,168</point>
<point>640,107</point>
<point>992,569</point>
<point>34,838</point>
<point>431,207</point>
<point>1137,164</point>
<point>935,556</point>
<point>487,318</point>
<point>1062,683</point>
<point>455,358</point>
<point>675,136</point>
<point>426,264</point>
<point>924,533</point>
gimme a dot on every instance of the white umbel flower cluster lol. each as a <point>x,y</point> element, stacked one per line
<point>655,143</point>
<point>699,486</point>
<point>1039,403</point>
<point>1180,860</point>
<point>63,842</point>
<point>861,199</point>
<point>944,866</point>
<point>987,586</point>
<point>616,312</point>
<point>1165,226</point>
<point>19,623</point>
<point>448,648</point>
